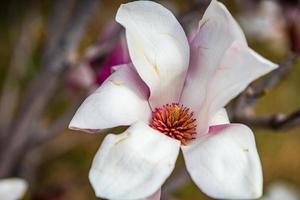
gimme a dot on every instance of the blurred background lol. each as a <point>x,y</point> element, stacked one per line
<point>55,53</point>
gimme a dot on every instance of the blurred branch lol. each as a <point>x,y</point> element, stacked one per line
<point>23,48</point>
<point>275,122</point>
<point>44,134</point>
<point>61,11</point>
<point>40,135</point>
<point>274,77</point>
<point>55,62</point>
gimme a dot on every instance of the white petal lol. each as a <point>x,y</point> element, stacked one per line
<point>158,48</point>
<point>134,164</point>
<point>225,163</point>
<point>220,117</point>
<point>238,68</point>
<point>121,100</point>
<point>12,188</point>
<point>216,32</point>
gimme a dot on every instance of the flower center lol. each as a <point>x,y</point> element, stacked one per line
<point>175,121</point>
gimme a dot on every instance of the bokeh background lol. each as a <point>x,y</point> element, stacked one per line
<point>57,166</point>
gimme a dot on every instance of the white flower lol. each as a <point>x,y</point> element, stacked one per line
<point>169,96</point>
<point>12,188</point>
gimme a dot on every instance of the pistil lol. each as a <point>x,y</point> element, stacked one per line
<point>175,121</point>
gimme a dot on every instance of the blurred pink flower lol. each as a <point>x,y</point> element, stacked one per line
<point>172,96</point>
<point>119,55</point>
<point>81,77</point>
<point>90,73</point>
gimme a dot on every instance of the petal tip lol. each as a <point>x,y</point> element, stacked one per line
<point>127,7</point>
<point>93,180</point>
<point>74,124</point>
<point>119,13</point>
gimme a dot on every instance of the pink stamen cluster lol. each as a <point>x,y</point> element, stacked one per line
<point>175,121</point>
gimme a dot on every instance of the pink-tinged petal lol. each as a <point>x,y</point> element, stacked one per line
<point>12,188</point>
<point>238,68</point>
<point>134,164</point>
<point>158,48</point>
<point>219,118</point>
<point>120,100</point>
<point>216,32</point>
<point>225,164</point>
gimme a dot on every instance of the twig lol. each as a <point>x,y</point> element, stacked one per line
<point>23,47</point>
<point>59,16</point>
<point>276,76</point>
<point>42,135</point>
<point>275,122</point>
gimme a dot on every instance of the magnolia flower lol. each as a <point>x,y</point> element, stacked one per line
<point>172,97</point>
<point>81,77</point>
<point>12,188</point>
<point>88,75</point>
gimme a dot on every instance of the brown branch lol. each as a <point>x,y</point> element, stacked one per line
<point>22,49</point>
<point>43,87</point>
<point>42,135</point>
<point>274,77</point>
<point>275,122</point>
<point>58,19</point>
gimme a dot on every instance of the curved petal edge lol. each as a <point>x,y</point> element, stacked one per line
<point>134,164</point>
<point>158,48</point>
<point>120,101</point>
<point>225,164</point>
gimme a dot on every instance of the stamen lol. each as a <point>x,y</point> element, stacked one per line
<point>175,121</point>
